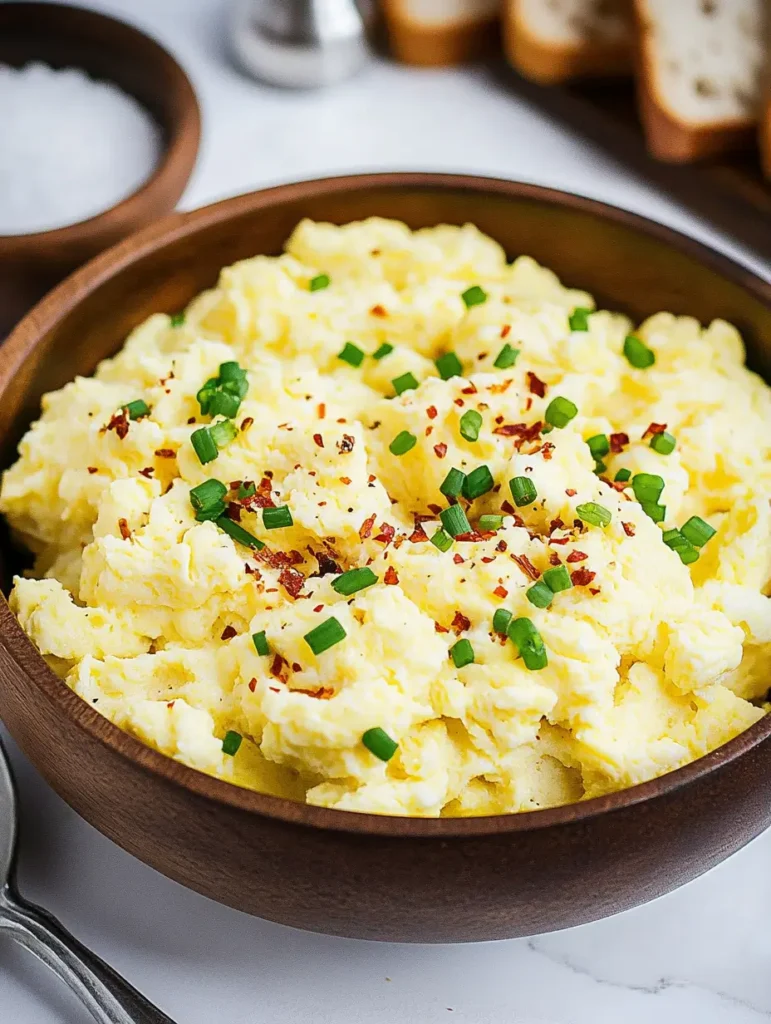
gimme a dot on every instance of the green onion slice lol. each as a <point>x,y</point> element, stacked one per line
<point>231,743</point>
<point>277,518</point>
<point>354,580</point>
<point>406,382</point>
<point>654,511</point>
<point>223,432</point>
<point>599,445</point>
<point>540,595</point>
<point>449,366</point>
<point>560,411</point>
<point>506,357</point>
<point>442,540</point>
<point>379,743</point>
<point>557,579</point>
<point>622,476</point>
<point>529,643</point>
<point>490,522</point>
<point>501,620</point>
<point>478,482</point>
<point>647,487</point>
<point>384,350</point>
<point>317,283</point>
<point>663,443</point>
<point>351,354</point>
<point>453,483</point>
<point>474,296</point>
<point>238,533</point>
<point>204,445</point>
<point>209,493</point>
<point>697,531</point>
<point>402,443</point>
<point>594,514</point>
<point>136,409</point>
<point>454,520</point>
<point>177,319</point>
<point>637,353</point>
<point>260,642</point>
<point>579,319</point>
<point>325,635</point>
<point>462,653</point>
<point>470,424</point>
<point>522,491</point>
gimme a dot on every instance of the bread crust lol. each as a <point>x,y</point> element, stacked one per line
<point>669,138</point>
<point>433,46</point>
<point>549,65</point>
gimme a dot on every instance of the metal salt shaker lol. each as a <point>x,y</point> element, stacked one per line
<point>301,43</point>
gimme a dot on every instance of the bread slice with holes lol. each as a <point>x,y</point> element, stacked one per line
<point>436,32</point>
<point>553,41</point>
<point>699,77</point>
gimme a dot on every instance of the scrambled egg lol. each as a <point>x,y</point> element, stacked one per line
<point>629,639</point>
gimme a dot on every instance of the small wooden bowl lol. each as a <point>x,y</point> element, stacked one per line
<point>107,49</point>
<point>360,874</point>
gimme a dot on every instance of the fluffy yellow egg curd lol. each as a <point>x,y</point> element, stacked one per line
<point>389,524</point>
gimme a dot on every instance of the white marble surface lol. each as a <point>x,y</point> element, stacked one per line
<point>701,954</point>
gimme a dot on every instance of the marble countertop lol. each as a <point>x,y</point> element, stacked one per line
<point>701,954</point>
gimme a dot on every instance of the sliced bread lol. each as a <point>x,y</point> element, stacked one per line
<point>434,32</point>
<point>699,76</point>
<point>555,40</point>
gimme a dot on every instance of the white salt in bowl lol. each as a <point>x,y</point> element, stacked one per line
<point>112,52</point>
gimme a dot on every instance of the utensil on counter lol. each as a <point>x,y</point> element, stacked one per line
<point>108,997</point>
<point>107,49</point>
<point>301,43</point>
<point>368,875</point>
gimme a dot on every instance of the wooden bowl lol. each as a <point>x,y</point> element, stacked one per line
<point>335,871</point>
<point>107,49</point>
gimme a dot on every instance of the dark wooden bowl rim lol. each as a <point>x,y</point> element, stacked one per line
<point>175,158</point>
<point>178,225</point>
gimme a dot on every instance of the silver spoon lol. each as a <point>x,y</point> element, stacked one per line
<point>108,997</point>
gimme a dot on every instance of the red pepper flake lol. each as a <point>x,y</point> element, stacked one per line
<point>191,419</point>
<point>431,412</point>
<point>418,534</point>
<point>274,689</point>
<point>470,390</point>
<point>322,410</point>
<point>501,545</point>
<point>582,577</point>
<point>246,422</point>
<point>554,558</point>
<point>571,493</point>
<point>618,442</point>
<point>386,534</point>
<point>93,469</point>
<point>521,430</point>
<point>378,311</point>
<point>559,540</point>
<point>555,524</point>
<point>123,526</point>
<point>526,566</point>
<point>119,423</point>
<point>323,692</point>
<point>252,684</point>
<point>341,420</point>
<point>546,449</point>
<point>594,591</point>
<point>391,577</point>
<point>499,389</point>
<point>501,592</point>
<point>440,450</point>
<point>436,509</point>
<point>371,478</point>
<point>296,666</point>
<point>228,633</point>
<point>346,445</point>
<point>628,529</point>
<point>440,629</point>
<point>171,704</point>
<point>165,453</point>
<point>345,480</point>
<point>460,623</point>
<point>505,330</point>
<point>458,559</point>
<point>654,428</point>
<point>537,386</point>
<point>365,529</point>
<point>486,559</point>
<point>577,556</point>
<point>319,440</point>
<point>147,472</point>
<point>234,511</point>
<point>277,669</point>
<point>291,580</point>
<point>459,402</point>
<point>508,508</point>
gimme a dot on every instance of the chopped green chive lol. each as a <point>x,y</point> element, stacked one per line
<point>384,350</point>
<point>351,354</point>
<point>325,635</point>
<point>317,283</point>
<point>622,476</point>
<point>600,467</point>
<point>136,409</point>
<point>354,580</point>
<point>449,366</point>
<point>594,514</point>
<point>260,642</point>
<point>501,620</point>
<point>647,487</point>
<point>474,296</point>
<point>442,540</point>
<point>654,511</point>
<point>222,403</point>
<point>404,383</point>
<point>239,534</point>
<point>557,579</point>
<point>211,513</point>
<point>506,357</point>
<point>246,490</point>
<point>599,445</point>
<point>204,445</point>
<point>231,743</point>
<point>579,319</point>
<point>697,531</point>
<point>277,518</point>
<point>223,432</point>
<point>454,521</point>
<point>637,353</point>
<point>478,482</point>
<point>402,443</point>
<point>674,539</point>
<point>560,411</point>
<point>529,643</point>
<point>540,595</point>
<point>522,491</point>
<point>231,371</point>
<point>452,485</point>
<point>663,443</point>
<point>379,743</point>
<point>207,494</point>
<point>490,522</point>
<point>177,319</point>
<point>470,425</point>
<point>462,653</point>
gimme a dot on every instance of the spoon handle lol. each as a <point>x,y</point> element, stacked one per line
<point>108,997</point>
